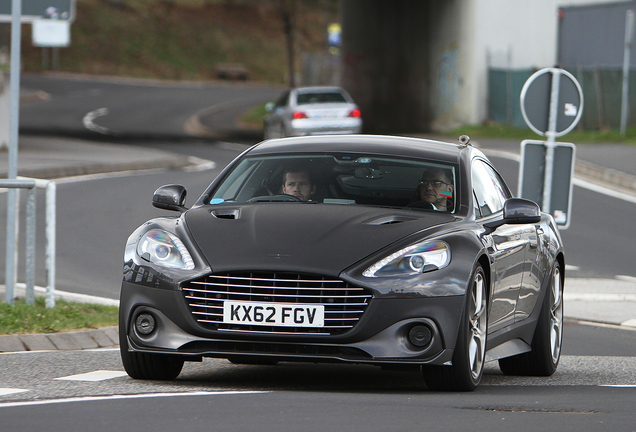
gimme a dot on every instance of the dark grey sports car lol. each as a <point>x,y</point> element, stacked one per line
<point>363,249</point>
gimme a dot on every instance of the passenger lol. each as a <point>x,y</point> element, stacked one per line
<point>298,182</point>
<point>436,187</point>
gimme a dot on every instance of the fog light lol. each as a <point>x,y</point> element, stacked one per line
<point>420,335</point>
<point>145,324</point>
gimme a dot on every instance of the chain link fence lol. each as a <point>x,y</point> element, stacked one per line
<point>602,90</point>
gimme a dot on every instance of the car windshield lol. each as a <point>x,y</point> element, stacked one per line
<point>341,179</point>
<point>320,97</point>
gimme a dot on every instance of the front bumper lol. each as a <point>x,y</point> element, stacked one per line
<point>381,336</point>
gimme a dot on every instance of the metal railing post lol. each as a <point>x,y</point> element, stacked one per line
<point>51,207</point>
<point>30,247</point>
<point>11,247</point>
<point>12,238</point>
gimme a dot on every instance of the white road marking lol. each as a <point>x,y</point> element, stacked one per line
<point>603,189</point>
<point>16,353</point>
<point>8,391</point>
<point>113,174</point>
<point>577,181</point>
<point>570,267</point>
<point>626,278</point>
<point>69,296</point>
<point>620,386</point>
<point>88,121</point>
<point>99,375</point>
<point>629,323</point>
<point>596,297</point>
<point>502,154</point>
<point>198,164</point>
<point>120,397</point>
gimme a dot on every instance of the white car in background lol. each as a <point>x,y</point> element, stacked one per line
<point>312,111</point>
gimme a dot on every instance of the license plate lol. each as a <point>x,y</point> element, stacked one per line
<point>273,314</point>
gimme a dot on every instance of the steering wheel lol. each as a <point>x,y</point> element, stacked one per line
<point>275,198</point>
<point>287,197</point>
<point>422,205</point>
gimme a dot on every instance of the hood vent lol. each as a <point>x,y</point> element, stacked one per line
<point>392,219</point>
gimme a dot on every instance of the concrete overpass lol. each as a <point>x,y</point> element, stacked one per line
<point>421,65</point>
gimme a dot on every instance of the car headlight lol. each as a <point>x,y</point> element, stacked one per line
<point>417,258</point>
<point>164,249</point>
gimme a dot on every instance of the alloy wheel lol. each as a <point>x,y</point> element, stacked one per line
<point>477,326</point>
<point>556,315</point>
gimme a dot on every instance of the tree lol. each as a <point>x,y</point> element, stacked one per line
<point>288,10</point>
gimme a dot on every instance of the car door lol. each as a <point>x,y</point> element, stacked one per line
<point>506,245</point>
<point>534,271</point>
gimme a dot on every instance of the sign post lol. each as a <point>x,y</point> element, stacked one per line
<point>557,92</point>
<point>12,198</point>
<point>531,179</point>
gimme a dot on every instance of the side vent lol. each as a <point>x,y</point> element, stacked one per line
<point>226,213</point>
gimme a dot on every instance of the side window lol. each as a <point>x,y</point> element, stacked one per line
<point>476,205</point>
<point>488,188</point>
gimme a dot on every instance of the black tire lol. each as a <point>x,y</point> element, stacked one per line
<point>544,357</point>
<point>470,349</point>
<point>148,366</point>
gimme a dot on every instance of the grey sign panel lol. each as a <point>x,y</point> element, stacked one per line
<point>593,34</point>
<point>36,9</point>
<point>532,176</point>
<point>536,96</point>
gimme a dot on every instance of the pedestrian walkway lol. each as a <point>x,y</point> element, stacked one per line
<point>52,158</point>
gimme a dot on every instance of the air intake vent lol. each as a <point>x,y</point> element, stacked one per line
<point>226,214</point>
<point>343,304</point>
<point>392,219</point>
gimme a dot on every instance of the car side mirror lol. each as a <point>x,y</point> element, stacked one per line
<point>269,106</point>
<point>170,197</point>
<point>517,211</point>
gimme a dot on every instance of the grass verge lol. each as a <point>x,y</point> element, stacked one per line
<point>254,118</point>
<point>576,136</point>
<point>21,318</point>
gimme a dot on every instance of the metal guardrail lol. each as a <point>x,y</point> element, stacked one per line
<point>12,240</point>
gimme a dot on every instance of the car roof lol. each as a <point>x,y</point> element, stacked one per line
<point>376,144</point>
<point>318,89</point>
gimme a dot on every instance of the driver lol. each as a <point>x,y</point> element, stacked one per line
<point>298,182</point>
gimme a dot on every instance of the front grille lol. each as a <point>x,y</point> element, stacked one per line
<point>344,304</point>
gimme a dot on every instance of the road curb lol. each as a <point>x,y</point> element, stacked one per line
<point>583,170</point>
<point>169,163</point>
<point>107,337</point>
<point>605,175</point>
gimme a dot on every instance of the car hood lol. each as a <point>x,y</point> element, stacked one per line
<point>299,237</point>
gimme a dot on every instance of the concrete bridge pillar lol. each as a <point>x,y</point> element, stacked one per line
<point>386,62</point>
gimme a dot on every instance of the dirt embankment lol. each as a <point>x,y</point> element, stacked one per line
<point>179,39</point>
